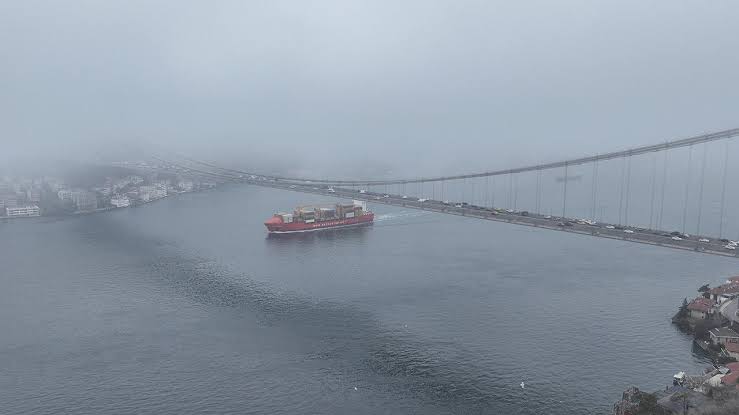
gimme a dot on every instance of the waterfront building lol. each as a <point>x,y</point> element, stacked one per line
<point>23,211</point>
<point>120,201</point>
<point>84,200</point>
<point>149,193</point>
<point>733,350</point>
<point>724,292</point>
<point>723,335</point>
<point>64,194</point>
<point>9,200</point>
<point>700,308</point>
<point>105,190</point>
<point>33,195</point>
<point>186,185</point>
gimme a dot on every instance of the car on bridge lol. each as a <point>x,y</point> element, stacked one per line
<point>628,231</point>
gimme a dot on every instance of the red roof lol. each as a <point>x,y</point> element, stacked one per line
<point>734,280</point>
<point>734,348</point>
<point>731,378</point>
<point>731,288</point>
<point>701,304</point>
<point>734,367</point>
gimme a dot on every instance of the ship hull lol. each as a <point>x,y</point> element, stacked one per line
<point>297,227</point>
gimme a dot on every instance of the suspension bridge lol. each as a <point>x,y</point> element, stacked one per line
<point>677,200</point>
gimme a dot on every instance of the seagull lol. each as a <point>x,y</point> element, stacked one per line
<point>355,388</point>
<point>523,385</point>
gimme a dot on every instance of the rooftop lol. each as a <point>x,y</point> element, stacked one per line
<point>700,304</point>
<point>731,378</point>
<point>731,288</point>
<point>733,348</point>
<point>724,332</point>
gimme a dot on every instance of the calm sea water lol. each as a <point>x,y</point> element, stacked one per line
<point>186,306</point>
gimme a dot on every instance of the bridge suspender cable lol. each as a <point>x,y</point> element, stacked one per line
<point>654,190</point>
<point>700,189</point>
<point>564,194</point>
<point>723,191</point>
<point>664,186</point>
<point>628,192</point>
<point>687,186</point>
<point>538,192</point>
<point>621,190</point>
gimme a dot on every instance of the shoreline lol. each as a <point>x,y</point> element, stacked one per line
<point>714,333</point>
<point>105,209</point>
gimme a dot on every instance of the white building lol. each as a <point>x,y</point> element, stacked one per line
<point>149,193</point>
<point>84,200</point>
<point>9,200</point>
<point>33,194</point>
<point>120,201</point>
<point>23,211</point>
<point>64,194</point>
<point>186,185</point>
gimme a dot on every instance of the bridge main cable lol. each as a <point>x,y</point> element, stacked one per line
<point>667,145</point>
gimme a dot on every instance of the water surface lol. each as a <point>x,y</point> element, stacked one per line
<point>187,306</point>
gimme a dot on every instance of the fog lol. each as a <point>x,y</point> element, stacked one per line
<point>412,87</point>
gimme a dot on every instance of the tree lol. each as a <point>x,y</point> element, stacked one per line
<point>703,288</point>
<point>701,329</point>
<point>647,403</point>
<point>683,308</point>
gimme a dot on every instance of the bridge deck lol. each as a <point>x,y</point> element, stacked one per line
<point>648,237</point>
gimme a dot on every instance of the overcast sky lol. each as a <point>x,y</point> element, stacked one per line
<point>439,85</point>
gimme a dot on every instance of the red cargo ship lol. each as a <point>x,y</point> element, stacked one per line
<point>315,218</point>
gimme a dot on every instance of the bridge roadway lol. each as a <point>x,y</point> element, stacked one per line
<point>639,235</point>
<point>602,230</point>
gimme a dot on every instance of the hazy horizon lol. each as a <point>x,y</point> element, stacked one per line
<point>416,88</point>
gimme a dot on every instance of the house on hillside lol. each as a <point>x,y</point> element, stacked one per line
<point>723,335</point>
<point>724,292</point>
<point>700,308</point>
